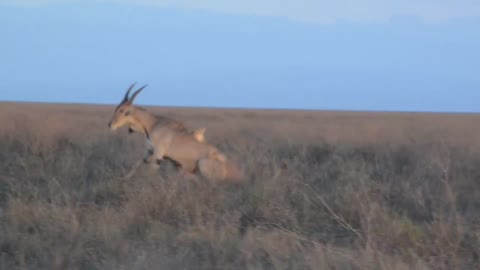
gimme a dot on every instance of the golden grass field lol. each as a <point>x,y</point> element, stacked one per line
<point>325,190</point>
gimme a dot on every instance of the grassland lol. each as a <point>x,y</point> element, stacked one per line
<point>325,190</point>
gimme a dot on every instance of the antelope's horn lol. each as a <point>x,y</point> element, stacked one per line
<point>125,98</point>
<point>132,98</point>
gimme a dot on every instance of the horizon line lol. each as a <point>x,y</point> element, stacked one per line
<point>54,103</point>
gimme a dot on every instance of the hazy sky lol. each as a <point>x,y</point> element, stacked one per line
<point>350,55</point>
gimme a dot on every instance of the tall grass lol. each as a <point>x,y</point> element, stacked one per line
<point>65,204</point>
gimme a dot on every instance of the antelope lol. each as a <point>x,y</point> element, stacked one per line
<point>168,139</point>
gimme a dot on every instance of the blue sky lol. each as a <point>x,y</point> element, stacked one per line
<point>348,55</point>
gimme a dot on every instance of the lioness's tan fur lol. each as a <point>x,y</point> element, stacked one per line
<point>170,139</point>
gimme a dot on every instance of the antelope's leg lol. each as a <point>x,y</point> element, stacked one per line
<point>149,152</point>
<point>160,143</point>
<point>148,156</point>
<point>159,154</point>
<point>154,157</point>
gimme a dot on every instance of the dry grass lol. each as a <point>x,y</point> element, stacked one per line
<point>360,191</point>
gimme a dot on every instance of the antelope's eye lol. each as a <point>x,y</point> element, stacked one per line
<point>121,110</point>
<point>127,113</point>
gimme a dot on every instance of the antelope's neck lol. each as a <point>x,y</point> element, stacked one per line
<point>144,121</point>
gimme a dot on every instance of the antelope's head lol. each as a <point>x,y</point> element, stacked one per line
<point>123,114</point>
